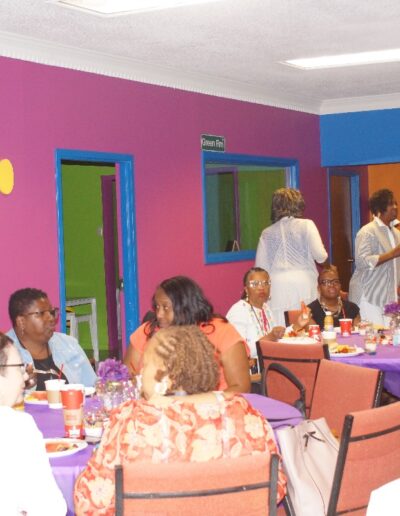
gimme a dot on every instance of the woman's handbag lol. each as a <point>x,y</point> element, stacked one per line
<point>309,452</point>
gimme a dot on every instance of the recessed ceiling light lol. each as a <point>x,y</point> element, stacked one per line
<point>361,58</point>
<point>109,7</point>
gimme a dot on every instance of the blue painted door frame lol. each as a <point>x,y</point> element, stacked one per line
<point>128,228</point>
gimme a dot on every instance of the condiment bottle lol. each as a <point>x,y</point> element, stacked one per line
<point>328,322</point>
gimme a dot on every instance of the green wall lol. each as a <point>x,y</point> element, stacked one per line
<point>83,243</point>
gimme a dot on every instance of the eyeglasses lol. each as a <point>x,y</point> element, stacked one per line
<point>22,366</point>
<point>259,283</point>
<point>41,313</point>
<point>329,282</point>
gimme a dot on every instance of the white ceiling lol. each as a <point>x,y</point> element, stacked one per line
<point>231,48</point>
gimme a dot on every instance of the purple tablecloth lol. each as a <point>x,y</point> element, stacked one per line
<point>387,359</point>
<point>66,469</point>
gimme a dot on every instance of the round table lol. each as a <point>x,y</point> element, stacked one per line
<point>66,469</point>
<point>387,359</point>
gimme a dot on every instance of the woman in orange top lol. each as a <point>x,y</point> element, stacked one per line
<point>180,419</point>
<point>180,301</point>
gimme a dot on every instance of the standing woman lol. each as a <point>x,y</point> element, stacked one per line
<point>288,250</point>
<point>377,274</point>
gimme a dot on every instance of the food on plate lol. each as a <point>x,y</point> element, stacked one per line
<point>60,446</point>
<point>36,396</point>
<point>344,348</point>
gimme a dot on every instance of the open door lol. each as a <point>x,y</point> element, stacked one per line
<point>122,174</point>
<point>344,218</point>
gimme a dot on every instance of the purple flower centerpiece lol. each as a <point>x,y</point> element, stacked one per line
<point>112,370</point>
<point>392,310</point>
<point>114,385</point>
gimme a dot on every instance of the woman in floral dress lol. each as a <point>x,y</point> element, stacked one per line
<point>179,419</point>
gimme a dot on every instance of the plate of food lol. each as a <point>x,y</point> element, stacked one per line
<point>62,447</point>
<point>344,350</point>
<point>300,339</point>
<point>36,398</point>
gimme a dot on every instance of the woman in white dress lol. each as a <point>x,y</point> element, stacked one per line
<point>288,249</point>
<point>252,317</point>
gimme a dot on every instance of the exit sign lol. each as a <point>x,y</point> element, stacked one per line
<point>212,143</point>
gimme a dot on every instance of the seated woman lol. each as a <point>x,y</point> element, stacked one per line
<point>180,301</point>
<point>179,376</point>
<point>52,354</point>
<point>330,301</point>
<point>252,317</point>
<point>26,480</point>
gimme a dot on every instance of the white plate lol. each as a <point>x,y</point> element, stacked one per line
<point>74,446</point>
<point>89,391</point>
<point>297,340</point>
<point>359,351</point>
<point>30,399</point>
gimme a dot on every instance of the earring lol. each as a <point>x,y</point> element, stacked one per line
<point>161,387</point>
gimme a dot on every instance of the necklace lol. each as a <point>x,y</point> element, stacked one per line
<point>339,307</point>
<point>263,324</point>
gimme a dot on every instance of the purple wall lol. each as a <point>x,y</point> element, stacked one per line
<point>44,108</point>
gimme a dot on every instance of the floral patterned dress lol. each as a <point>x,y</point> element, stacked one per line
<point>180,432</point>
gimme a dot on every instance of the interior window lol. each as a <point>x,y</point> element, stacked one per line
<point>237,199</point>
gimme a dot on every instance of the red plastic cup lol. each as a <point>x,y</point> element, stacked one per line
<point>72,398</point>
<point>314,331</point>
<point>345,327</point>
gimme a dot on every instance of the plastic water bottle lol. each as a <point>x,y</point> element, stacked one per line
<point>328,322</point>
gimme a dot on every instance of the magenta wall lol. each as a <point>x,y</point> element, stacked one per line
<point>44,108</point>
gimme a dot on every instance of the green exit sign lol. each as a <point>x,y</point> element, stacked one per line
<point>212,143</point>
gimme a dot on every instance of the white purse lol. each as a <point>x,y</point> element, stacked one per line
<point>309,452</point>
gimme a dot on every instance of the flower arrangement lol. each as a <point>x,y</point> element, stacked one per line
<point>392,309</point>
<point>112,370</point>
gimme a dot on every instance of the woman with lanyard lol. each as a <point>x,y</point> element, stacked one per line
<point>252,317</point>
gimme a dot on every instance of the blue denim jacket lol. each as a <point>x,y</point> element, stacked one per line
<point>65,350</point>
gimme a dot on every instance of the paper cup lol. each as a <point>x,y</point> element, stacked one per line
<point>345,327</point>
<point>72,398</point>
<point>53,388</point>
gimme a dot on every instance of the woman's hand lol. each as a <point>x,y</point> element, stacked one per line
<point>276,333</point>
<point>32,377</point>
<point>303,320</point>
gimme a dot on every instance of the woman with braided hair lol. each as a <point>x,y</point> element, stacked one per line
<point>181,418</point>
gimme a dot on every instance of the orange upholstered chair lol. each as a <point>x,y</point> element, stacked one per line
<point>343,388</point>
<point>246,485</point>
<point>291,316</point>
<point>369,456</point>
<point>301,359</point>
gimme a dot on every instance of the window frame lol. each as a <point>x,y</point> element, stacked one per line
<point>228,159</point>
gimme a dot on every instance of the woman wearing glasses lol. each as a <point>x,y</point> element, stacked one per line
<point>252,317</point>
<point>329,300</point>
<point>52,354</point>
<point>26,479</point>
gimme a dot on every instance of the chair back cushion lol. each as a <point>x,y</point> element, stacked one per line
<point>191,476</point>
<point>301,359</point>
<point>369,456</point>
<point>341,389</point>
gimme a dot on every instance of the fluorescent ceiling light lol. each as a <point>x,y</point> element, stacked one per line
<point>362,58</point>
<point>126,6</point>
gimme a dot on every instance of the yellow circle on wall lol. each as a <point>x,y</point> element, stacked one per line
<point>6,176</point>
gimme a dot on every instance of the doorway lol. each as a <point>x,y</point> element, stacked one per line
<point>92,166</point>
<point>344,220</point>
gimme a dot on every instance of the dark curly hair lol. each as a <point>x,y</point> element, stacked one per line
<point>189,304</point>
<point>21,300</point>
<point>4,342</point>
<point>380,200</point>
<point>286,202</point>
<point>189,359</point>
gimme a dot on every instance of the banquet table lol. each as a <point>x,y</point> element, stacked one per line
<point>387,359</point>
<point>66,469</point>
